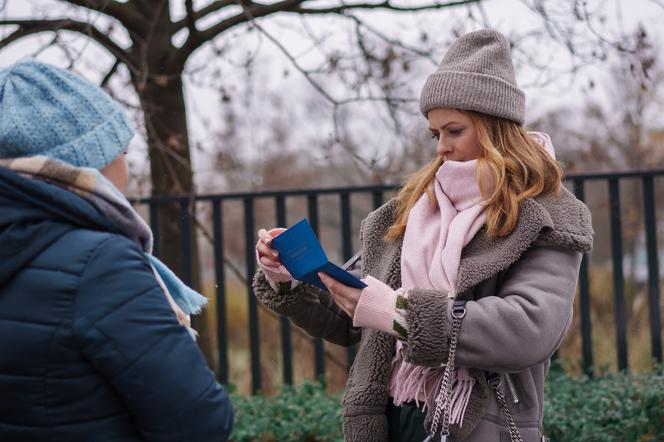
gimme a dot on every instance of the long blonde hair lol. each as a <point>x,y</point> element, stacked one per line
<point>513,167</point>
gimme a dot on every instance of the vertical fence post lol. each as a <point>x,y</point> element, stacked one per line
<point>286,341</point>
<point>319,349</point>
<point>347,247</point>
<point>220,289</point>
<point>618,277</point>
<point>584,291</point>
<point>185,243</point>
<point>377,197</point>
<point>154,226</point>
<point>250,255</point>
<point>653,266</point>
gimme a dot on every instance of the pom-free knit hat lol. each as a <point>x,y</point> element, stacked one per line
<point>53,112</point>
<point>476,74</point>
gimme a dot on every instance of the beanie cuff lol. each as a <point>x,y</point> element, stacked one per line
<point>473,92</point>
<point>98,147</point>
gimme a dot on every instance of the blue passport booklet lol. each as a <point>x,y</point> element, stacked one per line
<point>302,254</point>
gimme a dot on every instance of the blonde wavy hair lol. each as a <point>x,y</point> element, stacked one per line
<point>513,167</point>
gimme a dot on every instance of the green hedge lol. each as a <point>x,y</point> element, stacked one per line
<point>305,413</point>
<point>615,407</point>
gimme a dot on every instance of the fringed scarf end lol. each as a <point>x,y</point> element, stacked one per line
<point>418,383</point>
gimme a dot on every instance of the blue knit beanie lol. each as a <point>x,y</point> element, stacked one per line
<point>53,112</point>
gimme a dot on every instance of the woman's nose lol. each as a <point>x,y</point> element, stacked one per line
<point>443,148</point>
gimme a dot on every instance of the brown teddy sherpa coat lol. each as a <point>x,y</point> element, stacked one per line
<point>520,290</point>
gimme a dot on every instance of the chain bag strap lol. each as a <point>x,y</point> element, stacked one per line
<point>444,397</point>
<point>494,381</point>
<point>441,428</point>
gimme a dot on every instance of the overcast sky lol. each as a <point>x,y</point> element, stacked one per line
<point>204,105</point>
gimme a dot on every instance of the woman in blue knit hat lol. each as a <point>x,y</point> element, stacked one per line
<point>96,342</point>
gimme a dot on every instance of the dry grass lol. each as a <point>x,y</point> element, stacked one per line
<point>639,347</point>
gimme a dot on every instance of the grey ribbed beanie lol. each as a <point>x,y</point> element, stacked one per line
<point>476,74</point>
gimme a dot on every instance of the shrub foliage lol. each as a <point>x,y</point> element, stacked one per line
<point>611,408</point>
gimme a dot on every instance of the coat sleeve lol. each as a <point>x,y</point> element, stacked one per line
<point>128,332</point>
<point>520,327</point>
<point>309,308</point>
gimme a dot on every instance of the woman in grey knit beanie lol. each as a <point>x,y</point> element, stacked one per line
<point>471,271</point>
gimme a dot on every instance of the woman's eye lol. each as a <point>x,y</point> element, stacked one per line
<point>435,135</point>
<point>455,132</point>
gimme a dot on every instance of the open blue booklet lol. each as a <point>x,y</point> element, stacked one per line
<point>302,254</point>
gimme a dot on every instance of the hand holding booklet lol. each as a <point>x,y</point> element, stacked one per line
<point>302,254</point>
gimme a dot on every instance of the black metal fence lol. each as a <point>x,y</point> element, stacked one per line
<point>377,195</point>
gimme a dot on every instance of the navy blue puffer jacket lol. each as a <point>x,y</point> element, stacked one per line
<point>89,348</point>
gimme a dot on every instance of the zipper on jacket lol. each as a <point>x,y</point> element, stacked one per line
<point>510,383</point>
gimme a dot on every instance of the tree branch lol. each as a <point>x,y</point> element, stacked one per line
<point>209,9</point>
<point>254,10</point>
<point>424,54</point>
<point>29,27</point>
<point>144,7</point>
<point>335,102</point>
<point>125,13</point>
<point>110,74</point>
<point>191,19</point>
<point>383,5</point>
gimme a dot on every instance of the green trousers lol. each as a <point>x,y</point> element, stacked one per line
<point>405,423</point>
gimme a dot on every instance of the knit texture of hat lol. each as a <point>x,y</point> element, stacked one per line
<point>476,74</point>
<point>52,112</point>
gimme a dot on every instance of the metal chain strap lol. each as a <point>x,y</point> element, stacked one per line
<point>444,397</point>
<point>511,425</point>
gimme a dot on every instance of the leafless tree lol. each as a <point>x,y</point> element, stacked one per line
<point>156,66</point>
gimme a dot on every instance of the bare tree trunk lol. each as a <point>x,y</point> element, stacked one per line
<point>163,103</point>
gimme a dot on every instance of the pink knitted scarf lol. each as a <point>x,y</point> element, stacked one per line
<point>435,235</point>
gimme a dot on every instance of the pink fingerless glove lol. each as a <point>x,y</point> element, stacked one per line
<point>376,308</point>
<point>273,274</point>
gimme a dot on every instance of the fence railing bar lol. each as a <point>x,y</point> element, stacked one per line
<point>254,331</point>
<point>653,267</point>
<point>618,277</point>
<point>286,338</point>
<point>220,289</point>
<point>584,292</point>
<point>603,176</point>
<point>162,199</point>
<point>360,189</point>
<point>319,346</point>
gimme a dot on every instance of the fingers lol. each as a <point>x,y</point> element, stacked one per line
<point>345,297</point>
<point>264,236</point>
<point>268,236</point>
<point>330,283</point>
<point>266,254</point>
<point>269,262</point>
<point>267,251</point>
